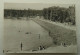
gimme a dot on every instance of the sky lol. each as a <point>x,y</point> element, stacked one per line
<point>38,6</point>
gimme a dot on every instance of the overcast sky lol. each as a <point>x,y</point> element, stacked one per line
<point>38,6</point>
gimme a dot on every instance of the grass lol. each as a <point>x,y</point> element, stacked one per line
<point>59,34</point>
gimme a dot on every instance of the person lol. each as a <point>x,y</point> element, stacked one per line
<point>3,51</point>
<point>21,46</point>
<point>64,44</point>
<point>40,48</point>
<point>49,33</point>
<point>19,30</point>
<point>43,47</point>
<point>39,36</point>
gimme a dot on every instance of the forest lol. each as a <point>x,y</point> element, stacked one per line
<point>54,13</point>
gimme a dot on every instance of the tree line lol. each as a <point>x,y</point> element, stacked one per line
<point>60,14</point>
<point>55,13</point>
<point>22,13</point>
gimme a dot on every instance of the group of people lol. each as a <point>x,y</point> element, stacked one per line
<point>64,44</point>
<point>28,33</point>
<point>41,48</point>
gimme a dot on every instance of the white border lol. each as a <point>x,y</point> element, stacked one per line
<point>76,2</point>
